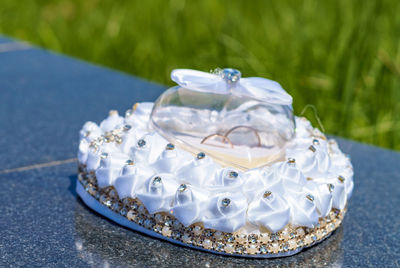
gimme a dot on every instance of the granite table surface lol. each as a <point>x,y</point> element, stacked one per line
<point>44,100</point>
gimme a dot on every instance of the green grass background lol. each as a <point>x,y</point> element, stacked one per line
<point>342,56</point>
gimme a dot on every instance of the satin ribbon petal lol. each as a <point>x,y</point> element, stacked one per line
<point>255,87</point>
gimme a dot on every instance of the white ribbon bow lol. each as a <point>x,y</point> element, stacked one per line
<point>228,81</point>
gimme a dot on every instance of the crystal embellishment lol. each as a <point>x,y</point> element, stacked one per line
<point>201,155</point>
<point>127,127</point>
<point>141,143</point>
<point>267,194</point>
<point>331,187</point>
<point>252,238</point>
<point>170,146</point>
<point>128,113</point>
<point>156,181</point>
<point>230,75</point>
<point>310,197</point>
<point>233,174</point>
<point>182,188</point>
<point>291,161</point>
<point>129,162</point>
<point>225,202</point>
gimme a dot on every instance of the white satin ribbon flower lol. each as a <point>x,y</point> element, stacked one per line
<point>140,117</point>
<point>263,178</point>
<point>303,128</point>
<point>171,159</point>
<point>148,148</point>
<point>111,122</point>
<point>90,131</point>
<point>303,211</point>
<point>269,209</point>
<point>254,181</point>
<point>110,168</point>
<point>339,194</point>
<point>158,192</point>
<point>225,212</point>
<point>311,157</point>
<point>229,81</point>
<point>349,184</point>
<point>292,178</point>
<point>200,172</point>
<point>227,179</point>
<point>130,139</point>
<point>341,166</point>
<point>132,178</point>
<point>322,193</point>
<point>83,151</point>
<point>188,204</point>
<point>93,159</point>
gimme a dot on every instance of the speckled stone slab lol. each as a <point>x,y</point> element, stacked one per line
<point>44,100</point>
<point>5,40</point>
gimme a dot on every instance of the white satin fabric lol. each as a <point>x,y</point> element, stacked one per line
<point>313,162</point>
<point>132,178</point>
<point>272,212</point>
<point>322,196</point>
<point>170,161</point>
<point>256,87</point>
<point>110,168</point>
<point>111,122</point>
<point>158,197</point>
<point>323,172</point>
<point>188,205</point>
<point>198,172</point>
<point>303,212</point>
<point>90,131</point>
<point>140,117</point>
<point>147,153</point>
<point>225,218</point>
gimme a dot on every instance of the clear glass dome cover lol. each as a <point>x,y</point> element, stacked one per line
<point>239,122</point>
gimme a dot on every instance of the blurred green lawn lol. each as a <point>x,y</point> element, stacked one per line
<point>341,56</point>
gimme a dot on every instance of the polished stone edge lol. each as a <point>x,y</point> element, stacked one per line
<point>106,202</point>
<point>9,45</point>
